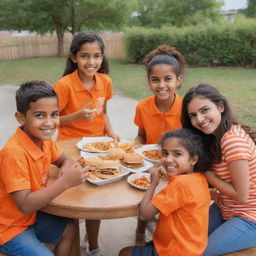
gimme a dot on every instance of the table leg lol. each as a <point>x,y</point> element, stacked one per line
<point>76,245</point>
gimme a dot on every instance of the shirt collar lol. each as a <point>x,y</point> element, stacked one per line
<point>29,146</point>
<point>80,86</point>
<point>173,111</point>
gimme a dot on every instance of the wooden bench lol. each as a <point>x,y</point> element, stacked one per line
<point>246,252</point>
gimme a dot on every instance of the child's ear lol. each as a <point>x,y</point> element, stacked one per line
<point>73,58</point>
<point>194,160</point>
<point>20,118</point>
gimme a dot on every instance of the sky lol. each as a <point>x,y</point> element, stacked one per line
<point>234,4</point>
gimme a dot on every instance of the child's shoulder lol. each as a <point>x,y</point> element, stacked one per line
<point>146,101</point>
<point>104,77</point>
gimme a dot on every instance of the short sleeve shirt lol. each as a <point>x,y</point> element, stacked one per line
<point>73,96</point>
<point>183,221</point>
<point>154,122</point>
<point>23,166</point>
<point>236,144</point>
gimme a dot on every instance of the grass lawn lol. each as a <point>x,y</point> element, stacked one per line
<point>237,84</point>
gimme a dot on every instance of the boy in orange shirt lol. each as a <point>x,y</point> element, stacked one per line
<point>24,170</point>
<point>183,204</point>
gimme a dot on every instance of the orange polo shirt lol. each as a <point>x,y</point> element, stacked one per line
<point>154,122</point>
<point>73,97</point>
<point>182,228</point>
<point>22,166</point>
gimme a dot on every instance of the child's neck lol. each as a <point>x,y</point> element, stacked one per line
<point>165,105</point>
<point>87,81</point>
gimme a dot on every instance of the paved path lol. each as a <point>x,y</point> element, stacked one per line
<point>114,234</point>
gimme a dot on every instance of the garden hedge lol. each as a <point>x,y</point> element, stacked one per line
<point>226,43</point>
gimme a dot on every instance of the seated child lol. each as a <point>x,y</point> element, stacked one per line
<point>183,205</point>
<point>24,170</point>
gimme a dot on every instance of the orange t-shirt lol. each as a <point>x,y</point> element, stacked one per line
<point>22,166</point>
<point>183,221</point>
<point>154,122</point>
<point>73,97</point>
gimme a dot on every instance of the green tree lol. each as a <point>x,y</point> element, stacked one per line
<point>63,15</point>
<point>250,11</point>
<point>155,13</point>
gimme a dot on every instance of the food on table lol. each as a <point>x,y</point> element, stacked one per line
<point>133,160</point>
<point>154,154</point>
<point>128,146</point>
<point>116,154</point>
<point>98,146</point>
<point>142,182</point>
<point>107,169</point>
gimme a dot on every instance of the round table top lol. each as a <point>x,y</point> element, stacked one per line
<point>88,201</point>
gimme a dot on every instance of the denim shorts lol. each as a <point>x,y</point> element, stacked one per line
<point>47,228</point>
<point>146,250</point>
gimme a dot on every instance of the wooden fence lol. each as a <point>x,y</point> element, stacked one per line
<point>17,47</point>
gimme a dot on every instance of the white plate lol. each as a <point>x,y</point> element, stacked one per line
<point>136,176</point>
<point>85,140</point>
<point>100,182</point>
<point>147,165</point>
<point>143,148</point>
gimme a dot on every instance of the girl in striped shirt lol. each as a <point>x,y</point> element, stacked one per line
<point>232,155</point>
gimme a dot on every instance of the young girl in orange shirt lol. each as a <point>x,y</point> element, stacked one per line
<point>183,205</point>
<point>165,68</point>
<point>83,93</point>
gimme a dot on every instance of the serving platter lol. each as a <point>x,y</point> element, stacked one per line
<point>146,165</point>
<point>100,182</point>
<point>137,176</point>
<point>147,147</point>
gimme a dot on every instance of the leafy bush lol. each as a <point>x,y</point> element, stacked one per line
<point>210,44</point>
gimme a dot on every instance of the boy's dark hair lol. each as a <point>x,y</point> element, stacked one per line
<point>32,91</point>
<point>192,143</point>
<point>206,91</point>
<point>77,42</point>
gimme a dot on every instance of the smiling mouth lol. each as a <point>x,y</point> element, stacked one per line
<point>204,125</point>
<point>47,131</point>
<point>161,90</point>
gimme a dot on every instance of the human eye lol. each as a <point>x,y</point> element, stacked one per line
<point>84,56</point>
<point>154,80</point>
<point>191,116</point>
<point>177,153</point>
<point>205,110</point>
<point>39,115</point>
<point>97,56</point>
<point>164,153</point>
<point>168,78</point>
<point>55,114</point>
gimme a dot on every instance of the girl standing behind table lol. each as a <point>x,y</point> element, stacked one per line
<point>161,112</point>
<point>83,93</point>
<point>232,149</point>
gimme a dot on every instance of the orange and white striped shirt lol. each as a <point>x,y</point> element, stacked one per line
<point>236,144</point>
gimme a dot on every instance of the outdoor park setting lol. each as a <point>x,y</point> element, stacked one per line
<point>216,37</point>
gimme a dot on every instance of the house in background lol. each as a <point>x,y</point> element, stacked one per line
<point>231,8</point>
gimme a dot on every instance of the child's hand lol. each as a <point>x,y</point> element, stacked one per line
<point>87,114</point>
<point>115,137</point>
<point>74,174</point>
<point>154,175</point>
<point>162,172</point>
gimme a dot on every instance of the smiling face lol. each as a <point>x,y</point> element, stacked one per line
<point>41,120</point>
<point>163,82</point>
<point>88,59</point>
<point>205,115</point>
<point>175,158</point>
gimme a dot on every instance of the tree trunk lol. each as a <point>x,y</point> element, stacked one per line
<point>60,36</point>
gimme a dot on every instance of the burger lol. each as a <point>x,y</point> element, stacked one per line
<point>133,160</point>
<point>116,153</point>
<point>107,169</point>
<point>92,162</point>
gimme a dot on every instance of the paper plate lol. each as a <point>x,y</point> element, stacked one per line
<point>143,148</point>
<point>137,176</point>
<point>100,182</point>
<point>85,140</point>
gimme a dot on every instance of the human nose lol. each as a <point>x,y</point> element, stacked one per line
<point>48,121</point>
<point>200,117</point>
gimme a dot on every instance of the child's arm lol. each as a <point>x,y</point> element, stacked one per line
<point>141,136</point>
<point>72,175</point>
<point>146,209</point>
<point>238,189</point>
<point>108,128</point>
